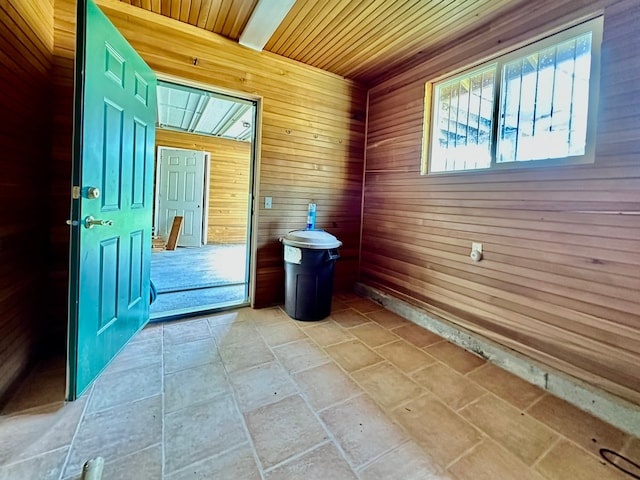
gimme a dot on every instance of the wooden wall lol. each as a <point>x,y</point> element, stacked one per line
<point>60,175</point>
<point>560,279</point>
<point>312,132</point>
<point>26,36</point>
<point>229,172</point>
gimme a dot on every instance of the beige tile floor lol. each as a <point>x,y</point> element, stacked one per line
<point>252,394</point>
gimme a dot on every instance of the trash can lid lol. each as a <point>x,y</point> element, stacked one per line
<point>315,239</point>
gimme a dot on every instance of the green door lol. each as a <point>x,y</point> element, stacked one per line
<point>110,255</point>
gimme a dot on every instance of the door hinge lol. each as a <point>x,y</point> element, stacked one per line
<point>75,192</point>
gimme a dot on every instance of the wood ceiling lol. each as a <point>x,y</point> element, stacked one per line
<point>359,39</point>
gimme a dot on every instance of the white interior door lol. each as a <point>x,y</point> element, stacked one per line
<point>181,193</point>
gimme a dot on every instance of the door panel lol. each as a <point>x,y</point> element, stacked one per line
<point>114,128</point>
<point>181,192</point>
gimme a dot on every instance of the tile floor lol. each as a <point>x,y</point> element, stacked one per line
<point>252,394</point>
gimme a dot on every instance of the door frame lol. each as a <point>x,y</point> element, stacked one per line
<point>254,173</point>
<point>206,181</point>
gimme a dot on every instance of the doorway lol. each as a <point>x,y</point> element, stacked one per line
<point>204,173</point>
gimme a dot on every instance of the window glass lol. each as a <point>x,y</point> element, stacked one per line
<point>464,122</point>
<point>544,103</point>
<point>531,105</point>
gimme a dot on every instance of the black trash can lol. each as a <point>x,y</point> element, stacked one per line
<point>309,261</point>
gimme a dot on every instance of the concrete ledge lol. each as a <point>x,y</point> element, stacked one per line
<point>614,410</point>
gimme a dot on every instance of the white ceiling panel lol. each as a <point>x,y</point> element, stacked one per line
<point>197,111</point>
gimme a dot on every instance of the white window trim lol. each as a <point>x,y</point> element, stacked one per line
<point>593,25</point>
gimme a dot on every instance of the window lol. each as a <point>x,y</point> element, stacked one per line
<point>528,107</point>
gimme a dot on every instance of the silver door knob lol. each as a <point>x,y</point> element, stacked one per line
<point>93,193</point>
<point>91,222</point>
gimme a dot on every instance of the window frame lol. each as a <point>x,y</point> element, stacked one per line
<point>593,25</point>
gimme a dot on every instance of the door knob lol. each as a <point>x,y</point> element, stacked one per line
<point>93,193</point>
<point>91,222</point>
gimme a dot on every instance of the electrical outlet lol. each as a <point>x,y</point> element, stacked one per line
<point>268,201</point>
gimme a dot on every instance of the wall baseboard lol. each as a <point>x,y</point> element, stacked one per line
<point>614,410</point>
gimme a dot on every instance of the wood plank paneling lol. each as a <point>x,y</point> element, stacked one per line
<point>60,177</point>
<point>229,176</point>
<point>225,17</point>
<point>361,40</point>
<point>26,36</point>
<point>367,40</point>
<point>560,278</point>
<point>312,131</point>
